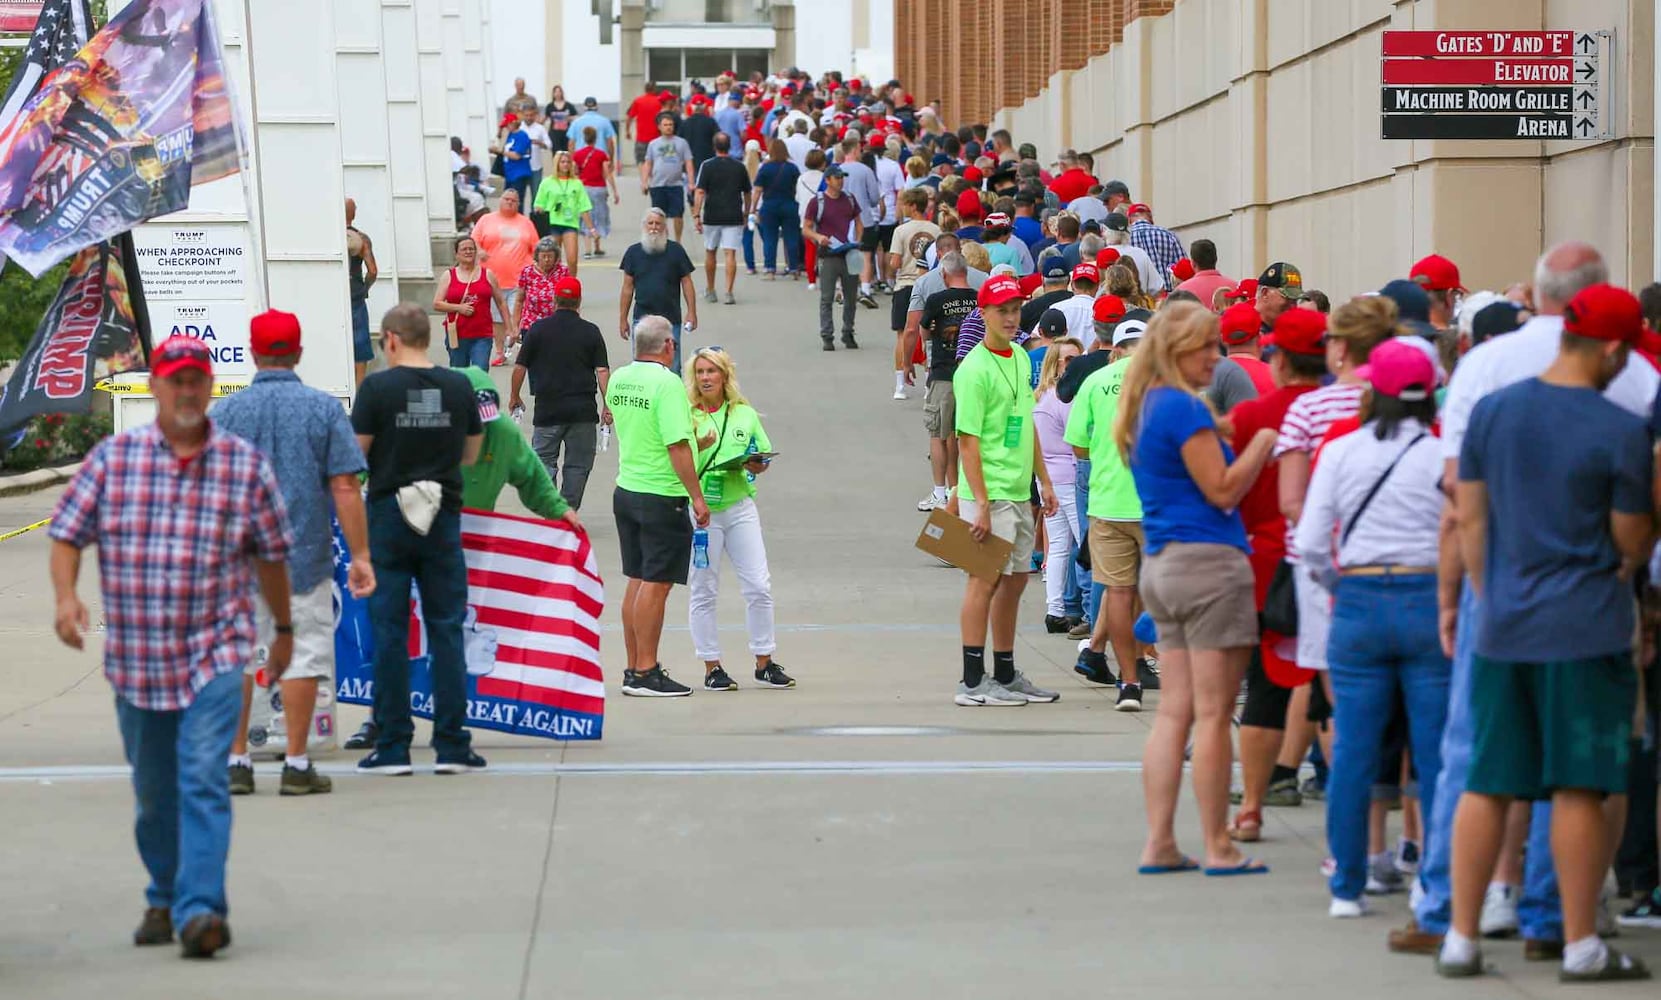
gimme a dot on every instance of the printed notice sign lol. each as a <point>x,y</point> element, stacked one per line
<point>196,283</point>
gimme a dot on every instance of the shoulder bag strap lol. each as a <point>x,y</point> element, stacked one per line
<point>1368,499</point>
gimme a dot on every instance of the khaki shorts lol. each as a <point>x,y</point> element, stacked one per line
<point>940,411</point>
<point>312,614</point>
<point>1200,596</point>
<point>1115,552</point>
<point>1012,522</point>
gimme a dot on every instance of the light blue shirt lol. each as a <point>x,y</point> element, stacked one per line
<point>603,129</point>
<point>731,121</point>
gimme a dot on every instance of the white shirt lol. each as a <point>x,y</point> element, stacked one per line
<point>1494,364</point>
<point>1399,527</point>
<point>1080,311</point>
<point>1087,207</point>
<point>799,146</point>
<point>1146,270</point>
<point>537,133</point>
<point>891,181</point>
<point>786,122</point>
<point>807,189</point>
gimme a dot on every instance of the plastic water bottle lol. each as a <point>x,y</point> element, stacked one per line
<point>751,222</point>
<point>700,549</point>
<point>605,437</point>
<point>519,415</point>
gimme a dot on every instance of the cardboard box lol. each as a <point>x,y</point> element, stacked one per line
<point>947,537</point>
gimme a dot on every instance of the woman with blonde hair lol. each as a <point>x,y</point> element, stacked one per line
<point>733,450</point>
<point>1049,419</point>
<point>916,172</point>
<point>975,254</point>
<point>1121,280</point>
<point>569,208</point>
<point>1196,581</point>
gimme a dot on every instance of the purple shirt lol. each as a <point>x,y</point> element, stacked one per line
<point>1049,419</point>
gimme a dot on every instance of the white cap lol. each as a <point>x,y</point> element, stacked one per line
<point>1130,329</point>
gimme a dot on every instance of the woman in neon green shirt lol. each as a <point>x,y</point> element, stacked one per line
<point>567,203</point>
<point>722,416</point>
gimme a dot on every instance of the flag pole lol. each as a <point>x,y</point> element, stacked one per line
<point>252,206</point>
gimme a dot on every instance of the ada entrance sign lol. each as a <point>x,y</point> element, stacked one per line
<point>196,283</point>
<point>1497,85</point>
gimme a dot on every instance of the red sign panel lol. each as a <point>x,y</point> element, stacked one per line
<point>18,17</point>
<point>1516,44</point>
<point>1479,72</point>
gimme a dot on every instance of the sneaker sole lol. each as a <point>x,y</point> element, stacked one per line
<point>648,693</point>
<point>390,770</point>
<point>242,791</point>
<point>1038,700</point>
<point>1128,706</point>
<point>968,702</point>
<point>730,687</point>
<point>765,686</point>
<point>1654,923</point>
<point>455,768</point>
<point>307,790</point>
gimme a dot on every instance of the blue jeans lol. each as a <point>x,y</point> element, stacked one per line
<point>749,249</point>
<point>780,219</point>
<point>363,346</point>
<point>434,563</point>
<point>1072,596</point>
<point>475,351</point>
<point>1384,638</point>
<point>183,825</point>
<point>523,186</point>
<point>1539,911</point>
<point>1089,589</point>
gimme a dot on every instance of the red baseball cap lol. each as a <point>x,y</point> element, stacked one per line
<point>1604,312</point>
<point>1436,274</point>
<point>1183,269</point>
<point>568,288</point>
<point>1245,291</point>
<point>1299,331</point>
<point>274,334</point>
<point>1108,309</point>
<point>177,353</point>
<point>997,220</point>
<point>973,174</point>
<point>1107,257</point>
<point>1140,209</point>
<point>968,205</point>
<point>997,291</point>
<point>878,139</point>
<point>1087,271</point>
<point>1240,323</point>
<point>1030,283</point>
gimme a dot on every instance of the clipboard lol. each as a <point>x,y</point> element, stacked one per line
<point>947,537</point>
<point>739,461</point>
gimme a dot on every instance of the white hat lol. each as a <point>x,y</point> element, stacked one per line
<point>1130,329</point>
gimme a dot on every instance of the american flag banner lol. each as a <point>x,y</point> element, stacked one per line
<point>531,638</point>
<point>62,27</point>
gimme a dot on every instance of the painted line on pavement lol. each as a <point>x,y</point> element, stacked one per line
<point>516,769</point>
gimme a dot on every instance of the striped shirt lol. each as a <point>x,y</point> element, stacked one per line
<point>1162,246</point>
<point>1307,421</point>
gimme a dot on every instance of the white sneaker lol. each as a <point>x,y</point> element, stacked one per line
<point>931,502</point>
<point>1499,911</point>
<point>1347,909</point>
<point>899,392</point>
<point>988,693</point>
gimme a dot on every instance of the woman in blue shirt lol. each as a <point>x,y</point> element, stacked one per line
<point>1196,581</point>
<point>775,209</point>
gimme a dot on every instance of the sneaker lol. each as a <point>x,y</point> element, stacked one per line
<point>1499,911</point>
<point>849,342</point>
<point>867,300</point>
<point>460,763</point>
<point>155,928</point>
<point>773,676</point>
<point>1347,909</point>
<point>242,779</point>
<point>1147,673</point>
<point>931,502</point>
<point>1329,867</point>
<point>830,343</point>
<point>1283,793</point>
<point>730,300</point>
<point>389,762</point>
<point>1032,692</point>
<point>1079,631</point>
<point>1382,876</point>
<point>987,693</point>
<point>364,738</point>
<point>498,361</point>
<point>709,296</point>
<point>1407,857</point>
<point>1130,698</point>
<point>717,680</point>
<point>304,782</point>
<point>812,285</point>
<point>1092,666</point>
<point>1056,625</point>
<point>204,934</point>
<point>654,683</point>
<point>899,392</point>
<point>1645,912</point>
<point>1313,789</point>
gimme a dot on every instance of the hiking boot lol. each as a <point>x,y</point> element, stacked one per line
<point>242,779</point>
<point>155,928</point>
<point>830,343</point>
<point>306,781</point>
<point>849,342</point>
<point>1092,666</point>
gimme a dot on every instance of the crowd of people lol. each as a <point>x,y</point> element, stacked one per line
<point>1407,536</point>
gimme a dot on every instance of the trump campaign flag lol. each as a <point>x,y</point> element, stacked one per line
<point>531,637</point>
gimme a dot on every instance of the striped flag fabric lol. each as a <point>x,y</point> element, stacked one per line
<point>531,637</point>
<point>61,30</point>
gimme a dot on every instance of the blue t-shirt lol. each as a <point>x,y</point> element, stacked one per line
<point>1029,231</point>
<point>518,142</point>
<point>1556,461</point>
<point>1173,508</point>
<point>777,181</point>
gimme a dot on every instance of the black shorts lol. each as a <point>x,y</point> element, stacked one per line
<point>872,238</point>
<point>885,237</point>
<point>672,200</point>
<point>655,535</point>
<point>1320,707</point>
<point>1266,701</point>
<point>898,307</point>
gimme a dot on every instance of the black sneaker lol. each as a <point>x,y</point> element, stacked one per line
<point>392,762</point>
<point>1056,625</point>
<point>1092,666</point>
<point>849,342</point>
<point>1130,698</point>
<point>830,343</point>
<point>242,779</point>
<point>1645,912</point>
<point>364,738</point>
<point>654,683</point>
<point>460,763</point>
<point>772,676</point>
<point>1147,674</point>
<point>717,680</point>
<point>867,300</point>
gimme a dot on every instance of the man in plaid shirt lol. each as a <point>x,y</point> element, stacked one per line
<point>185,518</point>
<point>1161,244</point>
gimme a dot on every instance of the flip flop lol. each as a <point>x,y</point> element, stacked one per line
<point>1250,866</point>
<point>1187,864</point>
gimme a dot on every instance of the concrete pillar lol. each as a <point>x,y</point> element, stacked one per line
<point>631,25</point>
<point>407,155</point>
<point>365,143</point>
<point>436,130</point>
<point>784,33</point>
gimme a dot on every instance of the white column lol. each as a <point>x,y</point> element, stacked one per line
<point>435,130</point>
<point>475,82</point>
<point>407,153</point>
<point>365,141</point>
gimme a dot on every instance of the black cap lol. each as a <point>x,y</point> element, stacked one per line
<point>1119,222</point>
<point>1284,278</point>
<point>1495,320</point>
<point>589,102</point>
<point>1090,226</point>
<point>1053,323</point>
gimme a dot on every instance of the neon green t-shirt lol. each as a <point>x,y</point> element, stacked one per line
<point>1090,425</point>
<point>564,199</point>
<point>649,406</point>
<point>994,403</point>
<point>743,436</point>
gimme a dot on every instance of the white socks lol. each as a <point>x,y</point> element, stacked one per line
<point>299,763</point>
<point>239,758</point>
<point>1586,955</point>
<point>1457,949</point>
<point>941,494</point>
<point>864,288</point>
<point>899,381</point>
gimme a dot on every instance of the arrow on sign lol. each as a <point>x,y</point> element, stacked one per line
<point>1586,70</point>
<point>1587,99</point>
<point>1586,43</point>
<point>1586,126</point>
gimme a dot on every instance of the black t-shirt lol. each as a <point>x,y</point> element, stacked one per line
<point>943,313</point>
<point>657,280</point>
<point>421,419</point>
<point>724,182</point>
<point>699,132</point>
<point>560,354</point>
<point>1034,310</point>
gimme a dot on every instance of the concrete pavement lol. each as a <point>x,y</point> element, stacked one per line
<point>859,836</point>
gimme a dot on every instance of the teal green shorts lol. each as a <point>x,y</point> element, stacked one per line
<point>1540,727</point>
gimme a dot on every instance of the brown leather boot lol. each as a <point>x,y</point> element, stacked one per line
<point>1410,940</point>
<point>155,928</point>
<point>204,934</point>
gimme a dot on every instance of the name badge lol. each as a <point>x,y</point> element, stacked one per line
<point>1012,432</point>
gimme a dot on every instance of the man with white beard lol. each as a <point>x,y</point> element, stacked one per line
<point>657,276</point>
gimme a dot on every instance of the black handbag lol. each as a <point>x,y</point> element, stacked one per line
<point>1280,605</point>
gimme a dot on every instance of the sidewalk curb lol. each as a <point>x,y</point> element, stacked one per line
<point>37,480</point>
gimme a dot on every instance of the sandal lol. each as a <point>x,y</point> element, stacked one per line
<point>1247,826</point>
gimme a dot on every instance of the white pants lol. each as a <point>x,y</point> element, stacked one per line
<point>736,532</point>
<point>1061,528</point>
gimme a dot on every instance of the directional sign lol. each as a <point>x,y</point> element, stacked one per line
<point>1540,44</point>
<point>1478,127</point>
<point>1485,71</point>
<point>1529,100</point>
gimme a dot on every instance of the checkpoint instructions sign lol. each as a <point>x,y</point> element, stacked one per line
<point>1497,85</point>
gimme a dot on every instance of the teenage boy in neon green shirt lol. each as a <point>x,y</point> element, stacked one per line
<point>998,455</point>
<point>1115,514</point>
<point>657,480</point>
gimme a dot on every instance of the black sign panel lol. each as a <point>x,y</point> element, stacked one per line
<point>1458,126</point>
<point>1512,100</point>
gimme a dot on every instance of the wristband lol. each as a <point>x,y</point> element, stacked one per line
<point>285,629</point>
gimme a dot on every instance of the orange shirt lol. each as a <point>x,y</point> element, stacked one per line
<point>508,244</point>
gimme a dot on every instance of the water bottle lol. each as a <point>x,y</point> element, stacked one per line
<point>605,437</point>
<point>519,415</point>
<point>751,222</point>
<point>700,549</point>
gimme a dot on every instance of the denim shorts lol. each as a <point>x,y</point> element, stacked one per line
<point>363,348</point>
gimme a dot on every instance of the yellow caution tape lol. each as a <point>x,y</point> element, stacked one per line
<point>25,529</point>
<point>113,387</point>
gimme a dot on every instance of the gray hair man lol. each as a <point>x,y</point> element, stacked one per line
<point>657,278</point>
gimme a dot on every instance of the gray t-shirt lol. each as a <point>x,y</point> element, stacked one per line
<point>862,184</point>
<point>667,160</point>
<point>934,280</point>
<point>1230,386</point>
